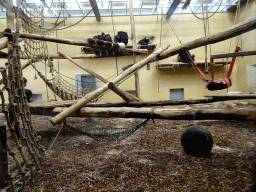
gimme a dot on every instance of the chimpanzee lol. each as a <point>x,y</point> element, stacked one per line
<point>186,57</point>
<point>197,141</point>
<point>28,92</point>
<point>121,37</point>
<point>103,37</point>
<point>144,41</point>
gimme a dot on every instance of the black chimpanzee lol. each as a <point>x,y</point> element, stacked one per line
<point>121,37</point>
<point>144,41</point>
<point>28,92</point>
<point>186,57</point>
<point>104,37</point>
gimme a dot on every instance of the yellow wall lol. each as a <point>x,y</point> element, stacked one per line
<point>155,83</point>
<point>248,43</point>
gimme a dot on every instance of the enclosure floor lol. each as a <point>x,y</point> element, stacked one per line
<point>151,159</point>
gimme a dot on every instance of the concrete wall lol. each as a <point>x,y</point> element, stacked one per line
<point>154,83</point>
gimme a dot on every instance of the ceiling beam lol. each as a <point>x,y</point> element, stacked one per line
<point>172,8</point>
<point>95,9</point>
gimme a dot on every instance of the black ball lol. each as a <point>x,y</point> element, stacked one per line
<point>197,141</point>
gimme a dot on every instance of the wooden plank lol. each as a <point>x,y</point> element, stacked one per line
<point>92,95</point>
<point>172,8</point>
<point>233,95</point>
<point>236,54</point>
<point>176,64</point>
<point>228,33</point>
<point>95,9</point>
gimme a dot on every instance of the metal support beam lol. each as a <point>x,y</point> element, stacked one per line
<point>3,155</point>
<point>95,9</point>
<point>172,8</point>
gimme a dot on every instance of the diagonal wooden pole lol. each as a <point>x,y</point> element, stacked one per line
<point>90,96</point>
<point>126,96</point>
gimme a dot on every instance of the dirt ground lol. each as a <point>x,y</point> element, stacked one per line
<point>151,159</point>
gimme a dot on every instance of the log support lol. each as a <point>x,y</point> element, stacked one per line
<point>241,114</point>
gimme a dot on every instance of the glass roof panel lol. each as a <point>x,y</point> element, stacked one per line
<point>79,8</point>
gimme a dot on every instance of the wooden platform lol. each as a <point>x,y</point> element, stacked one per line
<point>199,62</point>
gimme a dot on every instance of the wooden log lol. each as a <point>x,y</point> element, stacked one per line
<point>126,96</point>
<point>90,96</point>
<point>208,99</point>
<point>134,46</point>
<point>240,114</point>
<point>236,54</point>
<point>3,45</point>
<point>121,93</point>
<point>233,31</point>
<point>73,42</point>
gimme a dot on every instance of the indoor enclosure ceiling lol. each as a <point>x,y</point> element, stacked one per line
<point>101,8</point>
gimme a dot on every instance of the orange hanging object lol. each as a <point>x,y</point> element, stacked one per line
<point>222,83</point>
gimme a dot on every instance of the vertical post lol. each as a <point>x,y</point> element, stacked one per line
<point>10,14</point>
<point>134,46</point>
<point>3,155</point>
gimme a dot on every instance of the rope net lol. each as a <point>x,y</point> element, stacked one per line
<point>106,129</point>
<point>24,150</point>
<point>64,89</point>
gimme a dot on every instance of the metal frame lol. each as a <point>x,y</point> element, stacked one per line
<point>79,8</point>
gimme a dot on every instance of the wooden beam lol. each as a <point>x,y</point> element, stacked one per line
<point>90,96</point>
<point>87,70</point>
<point>95,9</point>
<point>240,114</point>
<point>233,31</point>
<point>103,45</point>
<point>3,45</point>
<point>121,93</point>
<point>172,8</point>
<point>236,54</point>
<point>134,46</point>
<point>208,99</point>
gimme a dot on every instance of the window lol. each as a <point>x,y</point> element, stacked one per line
<point>176,94</point>
<point>85,83</point>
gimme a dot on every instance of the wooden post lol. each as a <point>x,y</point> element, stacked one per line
<point>134,46</point>
<point>92,95</point>
<point>116,89</point>
<point>3,155</point>
<point>10,14</point>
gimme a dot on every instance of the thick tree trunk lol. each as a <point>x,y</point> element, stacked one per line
<point>240,114</point>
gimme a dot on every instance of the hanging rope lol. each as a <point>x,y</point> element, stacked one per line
<point>209,16</point>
